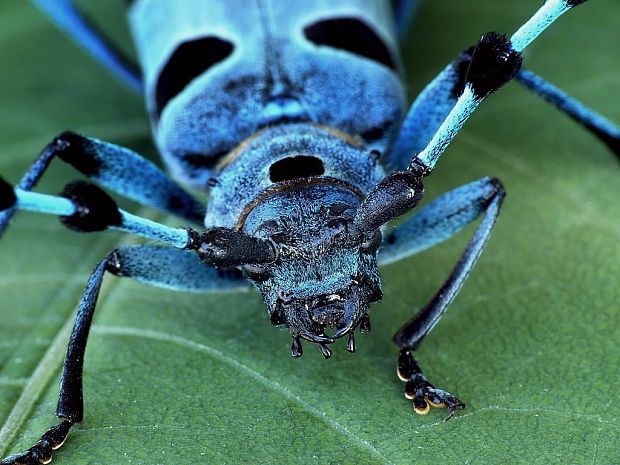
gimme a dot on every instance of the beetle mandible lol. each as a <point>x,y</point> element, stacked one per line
<point>290,129</point>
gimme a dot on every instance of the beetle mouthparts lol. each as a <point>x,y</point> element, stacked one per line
<point>309,323</point>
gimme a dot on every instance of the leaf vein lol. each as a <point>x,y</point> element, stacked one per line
<point>220,356</point>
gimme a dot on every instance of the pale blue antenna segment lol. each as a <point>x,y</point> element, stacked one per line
<point>60,206</point>
<point>468,102</point>
<point>464,107</point>
<point>148,229</point>
<point>541,20</point>
<point>425,116</point>
<point>68,18</point>
<point>43,203</point>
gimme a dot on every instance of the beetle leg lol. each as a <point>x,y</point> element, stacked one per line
<point>601,127</point>
<point>444,217</point>
<point>70,407</point>
<point>438,221</point>
<point>158,266</point>
<point>422,393</point>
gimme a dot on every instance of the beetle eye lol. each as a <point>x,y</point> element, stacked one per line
<point>351,35</point>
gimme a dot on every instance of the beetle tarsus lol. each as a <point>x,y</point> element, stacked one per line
<point>41,452</point>
<point>422,393</point>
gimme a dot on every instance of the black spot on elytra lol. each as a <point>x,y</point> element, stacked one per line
<point>189,60</point>
<point>352,35</point>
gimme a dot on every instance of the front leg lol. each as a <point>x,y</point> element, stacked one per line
<point>439,220</point>
<point>158,266</point>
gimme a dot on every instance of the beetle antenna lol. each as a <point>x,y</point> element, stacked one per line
<point>395,195</point>
<point>496,59</point>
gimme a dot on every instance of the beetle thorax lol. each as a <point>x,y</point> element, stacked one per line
<point>299,186</point>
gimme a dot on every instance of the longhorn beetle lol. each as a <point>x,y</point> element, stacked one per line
<point>293,121</point>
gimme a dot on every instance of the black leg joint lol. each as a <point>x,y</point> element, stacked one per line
<point>96,209</point>
<point>113,264</point>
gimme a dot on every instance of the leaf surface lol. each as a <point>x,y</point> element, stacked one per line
<point>530,344</point>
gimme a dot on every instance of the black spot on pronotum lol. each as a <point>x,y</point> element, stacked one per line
<point>352,35</point>
<point>96,209</point>
<point>189,61</point>
<point>7,195</point>
<point>301,166</point>
<point>573,3</point>
<point>494,63</point>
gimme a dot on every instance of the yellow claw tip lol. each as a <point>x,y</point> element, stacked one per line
<point>422,411</point>
<point>59,445</point>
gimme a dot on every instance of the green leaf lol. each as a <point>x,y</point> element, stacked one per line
<point>530,344</point>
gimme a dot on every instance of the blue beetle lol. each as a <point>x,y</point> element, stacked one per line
<point>293,121</point>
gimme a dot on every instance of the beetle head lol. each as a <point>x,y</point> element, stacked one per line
<point>322,282</point>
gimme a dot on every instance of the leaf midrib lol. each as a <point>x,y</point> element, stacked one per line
<point>245,370</point>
